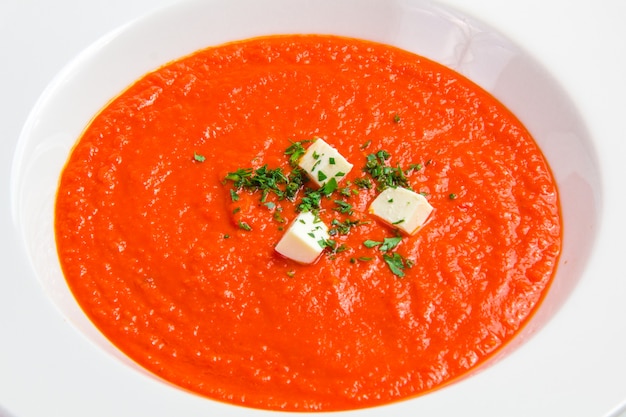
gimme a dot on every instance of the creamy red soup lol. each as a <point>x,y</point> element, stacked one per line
<point>173,200</point>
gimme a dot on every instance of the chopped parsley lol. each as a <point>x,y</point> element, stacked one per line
<point>267,180</point>
<point>312,198</point>
<point>343,207</point>
<point>327,243</point>
<point>277,216</point>
<point>291,186</point>
<point>244,226</point>
<point>361,258</point>
<point>414,167</point>
<point>332,246</point>
<point>371,243</point>
<point>342,227</point>
<point>363,183</point>
<point>396,263</point>
<point>239,177</point>
<point>329,187</point>
<point>310,201</point>
<point>295,151</point>
<point>233,195</point>
<point>390,243</point>
<point>296,179</point>
<point>347,192</point>
<point>387,244</point>
<point>198,158</point>
<point>384,174</point>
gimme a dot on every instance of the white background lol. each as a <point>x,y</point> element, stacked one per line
<point>581,42</point>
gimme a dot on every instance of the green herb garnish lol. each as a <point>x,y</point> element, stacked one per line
<point>390,243</point>
<point>295,152</point>
<point>342,227</point>
<point>363,183</point>
<point>329,187</point>
<point>263,179</point>
<point>384,174</point>
<point>198,158</point>
<point>371,243</point>
<point>414,167</point>
<point>343,207</point>
<point>346,191</point>
<point>395,263</point>
<point>244,226</point>
<point>310,201</point>
<point>233,195</point>
<point>327,243</point>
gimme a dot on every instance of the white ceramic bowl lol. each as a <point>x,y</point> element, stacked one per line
<point>434,31</point>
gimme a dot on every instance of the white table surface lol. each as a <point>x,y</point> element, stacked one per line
<point>581,42</point>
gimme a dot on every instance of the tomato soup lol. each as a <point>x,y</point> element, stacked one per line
<point>174,198</point>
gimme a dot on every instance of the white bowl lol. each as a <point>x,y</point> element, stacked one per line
<point>423,27</point>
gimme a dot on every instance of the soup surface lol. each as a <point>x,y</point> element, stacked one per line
<point>174,198</point>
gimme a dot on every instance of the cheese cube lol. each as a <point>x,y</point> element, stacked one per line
<point>322,162</point>
<point>301,241</point>
<point>401,208</point>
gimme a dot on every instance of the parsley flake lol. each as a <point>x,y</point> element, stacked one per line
<point>390,243</point>
<point>233,195</point>
<point>371,243</point>
<point>343,207</point>
<point>295,151</point>
<point>395,263</point>
<point>363,183</point>
<point>384,174</point>
<point>244,226</point>
<point>342,227</point>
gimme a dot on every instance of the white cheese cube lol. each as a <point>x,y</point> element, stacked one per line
<point>401,208</point>
<point>322,162</point>
<point>301,241</point>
